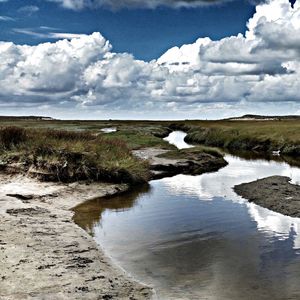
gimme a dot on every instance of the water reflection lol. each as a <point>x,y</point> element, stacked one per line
<point>238,170</point>
<point>192,237</point>
<point>88,214</point>
<point>265,156</point>
<point>177,138</point>
<point>275,224</point>
<point>108,129</point>
<point>209,186</point>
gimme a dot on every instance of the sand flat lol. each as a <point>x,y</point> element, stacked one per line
<point>45,255</point>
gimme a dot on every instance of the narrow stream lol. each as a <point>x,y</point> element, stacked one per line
<point>177,138</point>
<point>192,237</point>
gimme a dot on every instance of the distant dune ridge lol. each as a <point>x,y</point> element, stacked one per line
<point>250,117</point>
<point>247,117</point>
<point>26,118</point>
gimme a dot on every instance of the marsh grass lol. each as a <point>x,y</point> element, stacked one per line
<point>262,136</point>
<point>248,135</point>
<point>11,136</point>
<point>192,153</point>
<point>142,137</point>
<point>69,156</point>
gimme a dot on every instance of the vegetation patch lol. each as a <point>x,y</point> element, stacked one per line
<point>75,150</point>
<point>142,137</point>
<point>70,156</point>
<point>192,153</point>
<point>264,136</point>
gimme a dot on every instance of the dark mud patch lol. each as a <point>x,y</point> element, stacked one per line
<point>275,193</point>
<point>21,197</point>
<point>165,163</point>
<point>31,211</point>
<point>206,164</point>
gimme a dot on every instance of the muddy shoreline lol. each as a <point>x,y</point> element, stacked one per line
<point>275,193</point>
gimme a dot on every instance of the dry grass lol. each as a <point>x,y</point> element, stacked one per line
<point>236,135</point>
<point>248,135</point>
<point>70,156</point>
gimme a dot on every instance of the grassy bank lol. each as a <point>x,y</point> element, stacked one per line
<point>264,136</point>
<point>70,155</point>
<point>137,137</point>
<point>255,135</point>
<point>78,154</point>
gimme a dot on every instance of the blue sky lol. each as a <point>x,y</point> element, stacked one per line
<point>146,33</point>
<point>149,59</point>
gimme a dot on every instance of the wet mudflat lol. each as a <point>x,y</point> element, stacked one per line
<point>275,193</point>
<point>193,237</point>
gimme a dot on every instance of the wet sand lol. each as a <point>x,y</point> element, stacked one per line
<point>44,255</point>
<point>275,193</point>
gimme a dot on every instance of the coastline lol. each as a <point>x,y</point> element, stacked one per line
<point>45,255</point>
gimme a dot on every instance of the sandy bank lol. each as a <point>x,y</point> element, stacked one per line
<point>275,193</point>
<point>44,255</point>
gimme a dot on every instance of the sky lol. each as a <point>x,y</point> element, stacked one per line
<point>146,33</point>
<point>149,59</point>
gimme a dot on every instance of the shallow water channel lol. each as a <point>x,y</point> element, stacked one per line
<point>192,237</point>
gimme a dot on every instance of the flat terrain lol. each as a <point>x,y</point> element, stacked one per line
<point>275,193</point>
<point>44,255</point>
<point>258,134</point>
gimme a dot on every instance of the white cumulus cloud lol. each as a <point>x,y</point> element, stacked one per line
<point>83,72</point>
